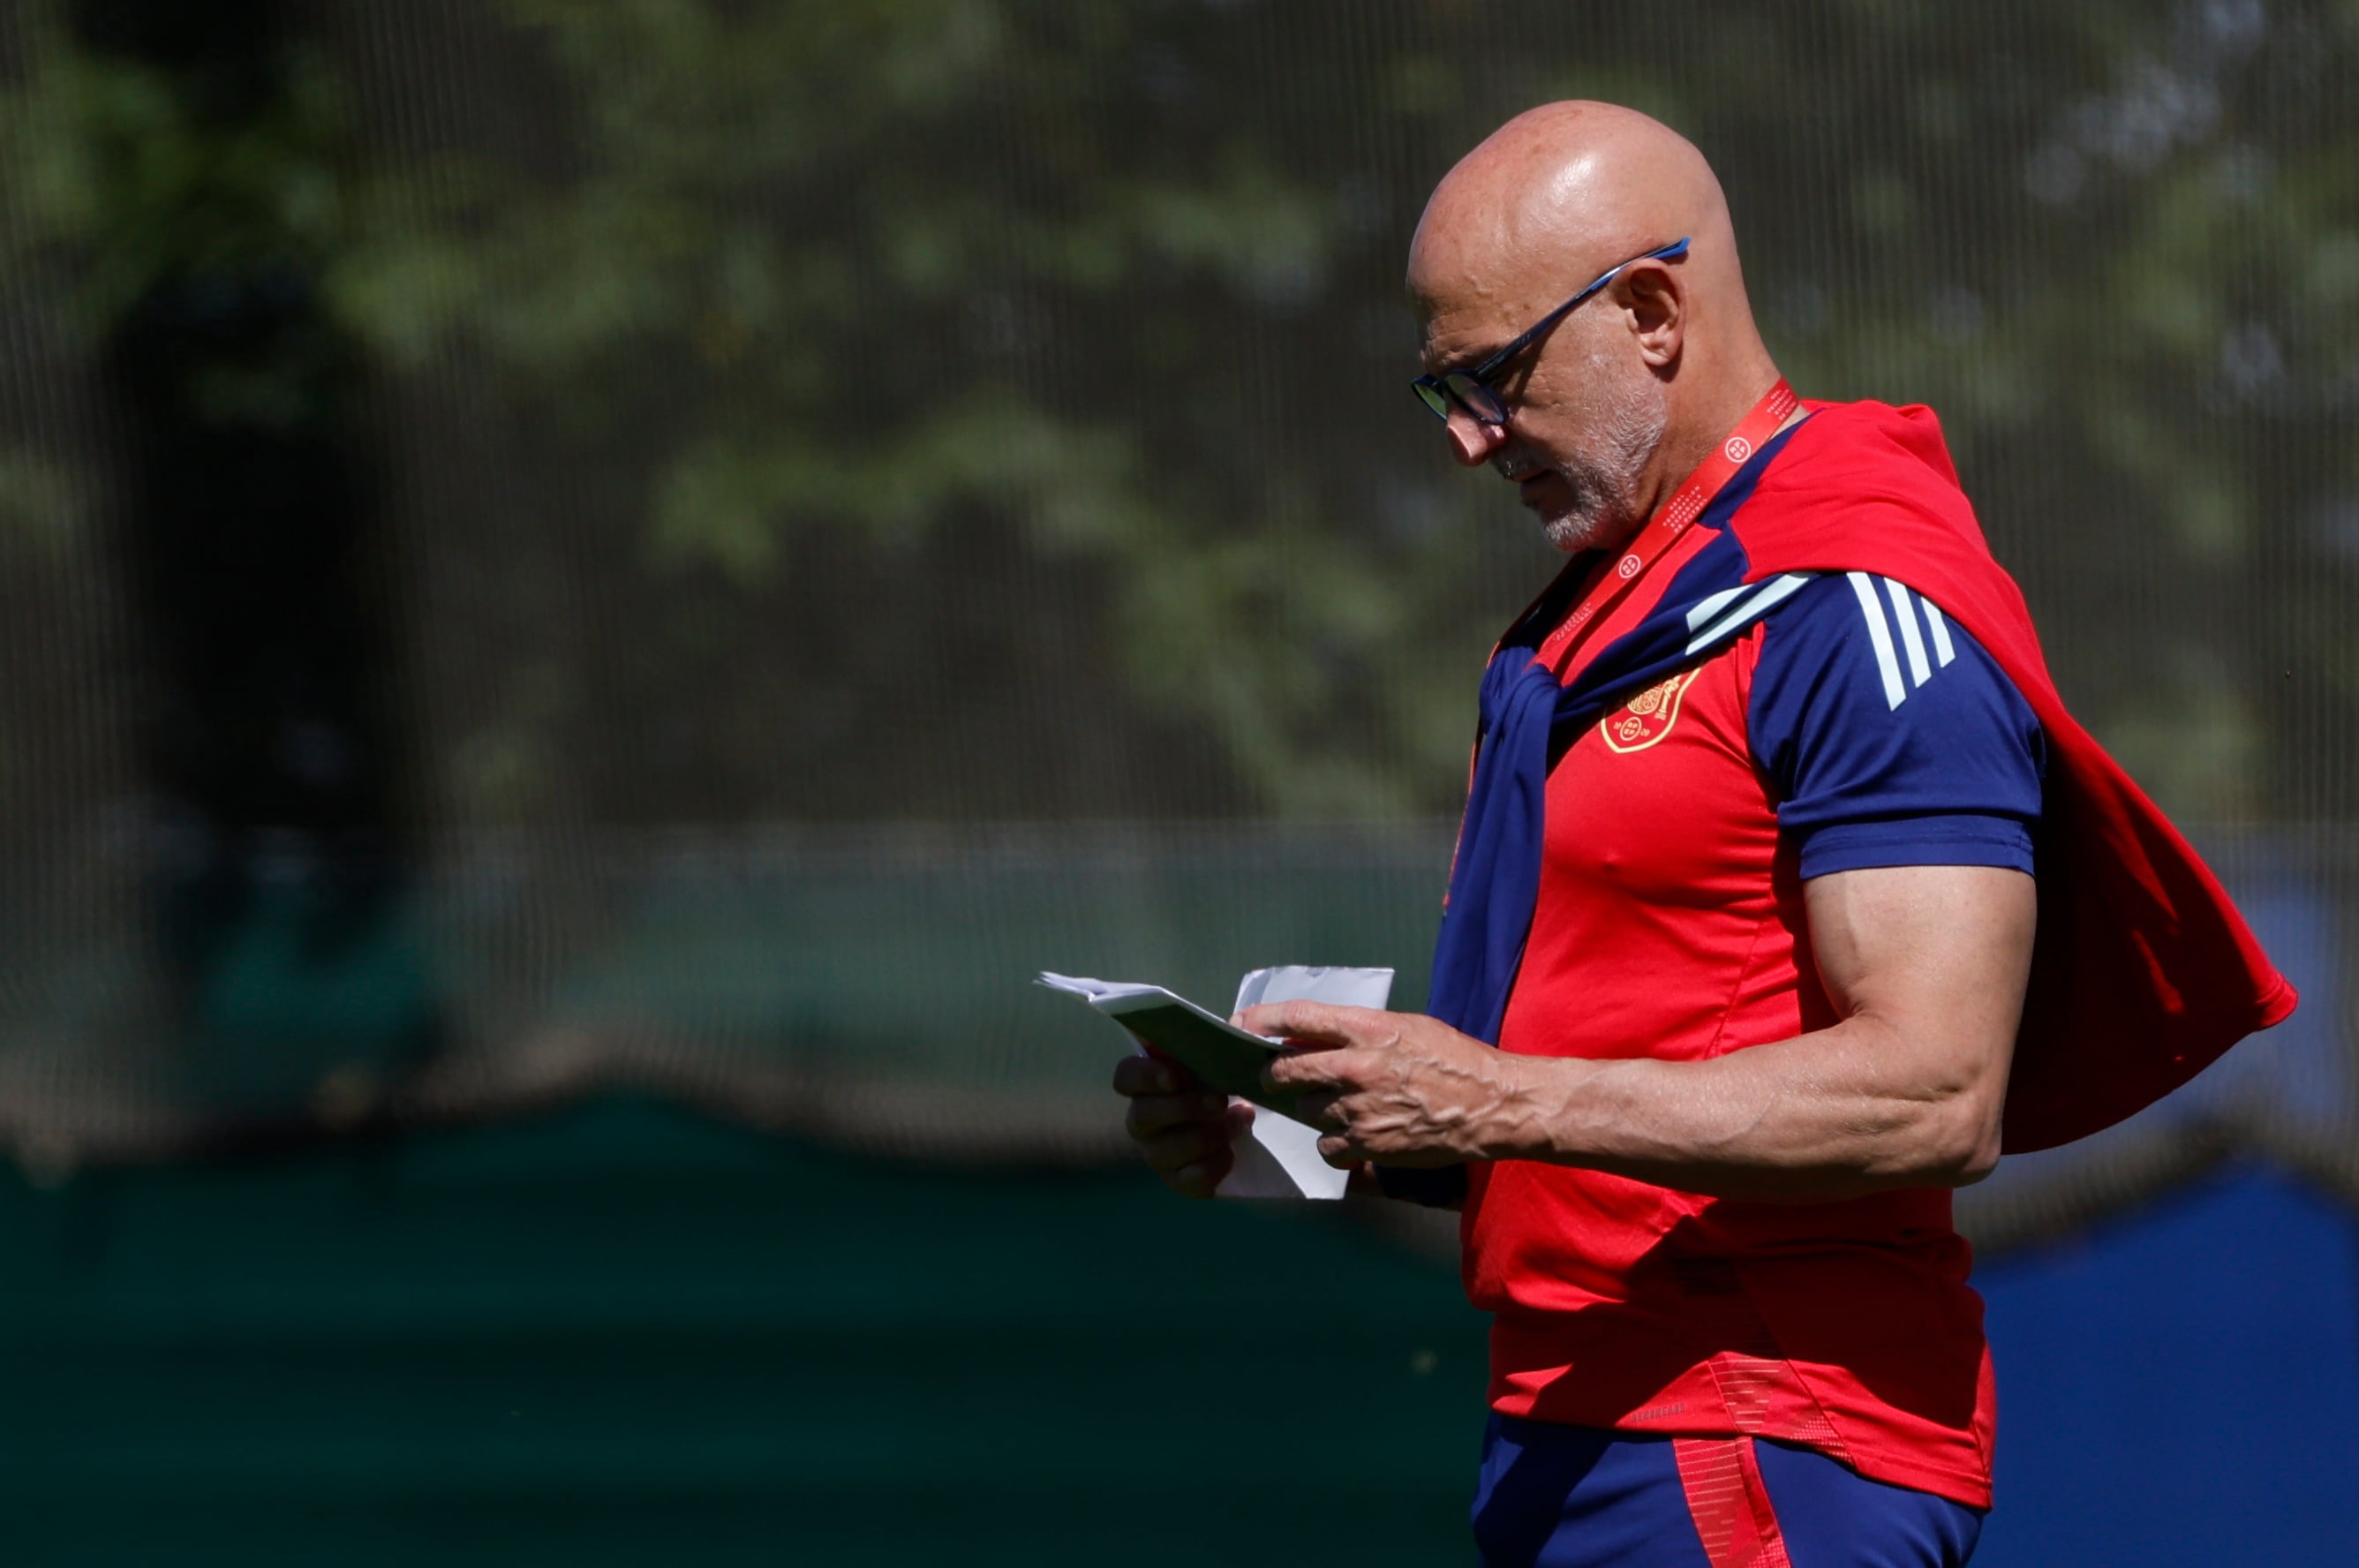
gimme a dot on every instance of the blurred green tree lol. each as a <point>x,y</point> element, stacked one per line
<point>990,409</point>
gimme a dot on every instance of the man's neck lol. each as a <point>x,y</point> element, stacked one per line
<point>1695,432</point>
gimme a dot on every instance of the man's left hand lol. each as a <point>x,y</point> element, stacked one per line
<point>1396,1087</point>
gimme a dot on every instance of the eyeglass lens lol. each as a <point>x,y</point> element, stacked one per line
<point>1470,394</point>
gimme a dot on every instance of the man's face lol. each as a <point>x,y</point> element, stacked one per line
<point>1585,415</point>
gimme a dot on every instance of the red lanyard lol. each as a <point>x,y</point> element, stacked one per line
<point>1608,584</point>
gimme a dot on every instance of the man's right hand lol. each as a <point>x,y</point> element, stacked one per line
<point>1186,1131</point>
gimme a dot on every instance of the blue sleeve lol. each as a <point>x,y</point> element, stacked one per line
<point>1890,736</point>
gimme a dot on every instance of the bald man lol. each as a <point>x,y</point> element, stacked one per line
<point>1741,913</point>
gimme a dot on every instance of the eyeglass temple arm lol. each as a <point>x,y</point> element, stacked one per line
<point>1671,252</point>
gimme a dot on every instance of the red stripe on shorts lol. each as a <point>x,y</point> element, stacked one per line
<point>1728,1502</point>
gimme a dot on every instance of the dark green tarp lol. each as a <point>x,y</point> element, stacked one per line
<point>623,1334</point>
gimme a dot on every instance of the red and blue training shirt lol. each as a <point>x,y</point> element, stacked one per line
<point>1629,884</point>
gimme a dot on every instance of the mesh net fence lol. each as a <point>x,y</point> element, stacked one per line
<point>698,544</point>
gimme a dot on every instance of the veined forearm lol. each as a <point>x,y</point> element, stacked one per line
<point>1835,1114</point>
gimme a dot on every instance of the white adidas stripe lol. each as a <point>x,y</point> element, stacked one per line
<point>1911,644</point>
<point>1896,692</point>
<point>1919,669</point>
<point>1939,626</point>
<point>1757,600</point>
<point>1709,606</point>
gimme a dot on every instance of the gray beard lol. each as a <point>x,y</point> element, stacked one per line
<point>1606,492</point>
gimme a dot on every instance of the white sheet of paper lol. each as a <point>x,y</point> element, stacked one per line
<point>1096,991</point>
<point>1281,1159</point>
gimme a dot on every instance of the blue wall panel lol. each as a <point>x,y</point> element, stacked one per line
<point>2179,1388</point>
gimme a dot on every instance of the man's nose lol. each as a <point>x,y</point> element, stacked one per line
<point>1474,440</point>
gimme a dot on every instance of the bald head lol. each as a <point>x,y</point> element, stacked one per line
<point>1667,359</point>
<point>1568,188</point>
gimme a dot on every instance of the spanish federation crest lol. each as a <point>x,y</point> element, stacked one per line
<point>1647,717</point>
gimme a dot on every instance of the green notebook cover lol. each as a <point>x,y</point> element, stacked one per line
<point>1225,1057</point>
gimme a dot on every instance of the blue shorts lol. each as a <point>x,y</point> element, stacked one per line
<point>1573,1496</point>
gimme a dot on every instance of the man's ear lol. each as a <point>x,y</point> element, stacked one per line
<point>1656,304</point>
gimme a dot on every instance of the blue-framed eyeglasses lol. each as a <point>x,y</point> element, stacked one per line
<point>1470,389</point>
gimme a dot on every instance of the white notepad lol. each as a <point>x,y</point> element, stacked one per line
<point>1280,1159</point>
